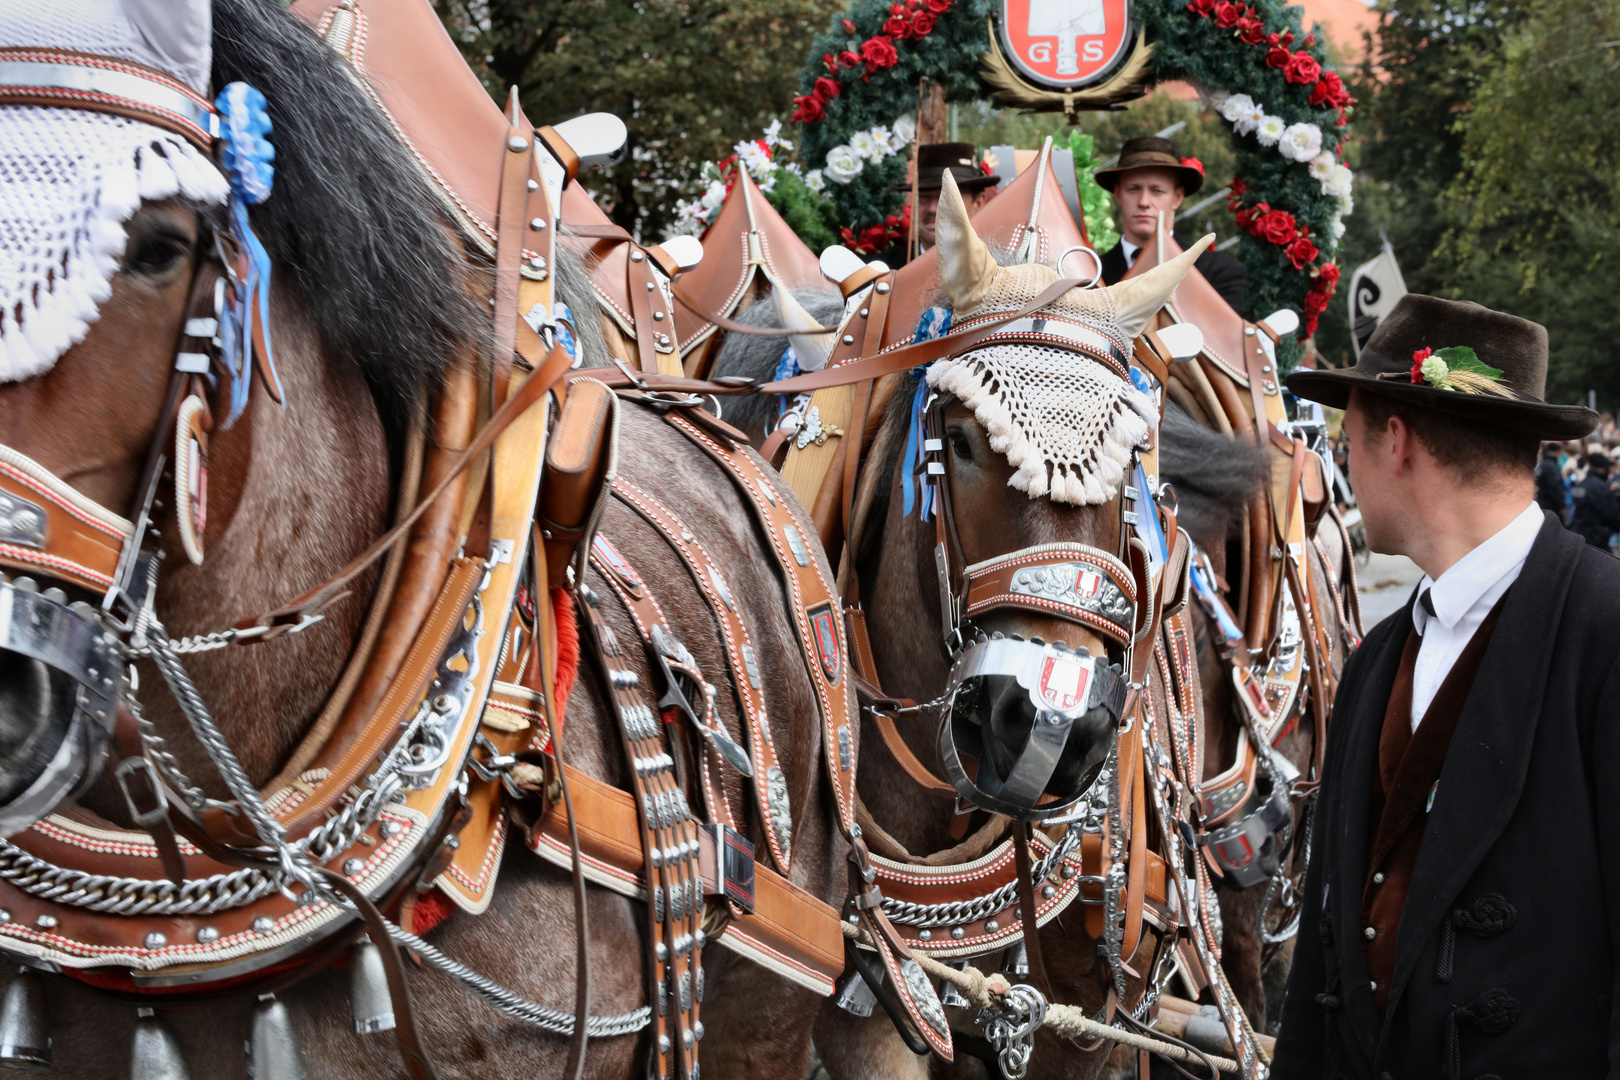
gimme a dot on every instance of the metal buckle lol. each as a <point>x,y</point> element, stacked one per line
<point>158,801</point>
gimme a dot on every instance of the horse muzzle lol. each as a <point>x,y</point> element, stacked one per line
<point>59,680</point>
<point>1037,719</point>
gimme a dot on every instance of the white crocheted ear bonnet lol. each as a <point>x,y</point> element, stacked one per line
<point>1066,422</point>
<point>70,178</point>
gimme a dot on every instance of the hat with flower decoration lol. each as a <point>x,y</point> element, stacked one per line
<point>1460,358</point>
<point>1153,152</point>
<point>959,159</point>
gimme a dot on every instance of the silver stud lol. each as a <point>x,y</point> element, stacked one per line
<point>517,144</point>
<point>991,926</point>
<point>636,256</point>
<point>156,940</point>
<point>352,867</point>
<point>263,924</point>
<point>534,185</point>
<point>536,263</point>
<point>664,1044</point>
<point>699,938</point>
<point>663,952</point>
<point>883,286</point>
<point>958,932</point>
<point>5,916</point>
<point>1067,871</point>
<point>391,829</point>
<point>697,1029</point>
<point>537,223</point>
<point>1049,892</point>
<point>1369,933</point>
<point>1248,331</point>
<point>925,935</point>
<point>658,316</point>
<point>849,339</point>
<point>208,935</point>
<point>687,1037</point>
<point>865,312</point>
<point>46,922</point>
<point>651,286</point>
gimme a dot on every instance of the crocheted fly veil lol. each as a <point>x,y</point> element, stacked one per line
<point>71,178</point>
<point>1066,421</point>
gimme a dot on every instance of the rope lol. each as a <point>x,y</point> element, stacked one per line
<point>985,993</point>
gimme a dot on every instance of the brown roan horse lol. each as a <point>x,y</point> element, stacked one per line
<point>376,311</point>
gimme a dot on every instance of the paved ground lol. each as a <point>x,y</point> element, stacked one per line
<point>1386,582</point>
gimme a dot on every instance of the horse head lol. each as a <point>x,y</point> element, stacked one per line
<point>1012,487</point>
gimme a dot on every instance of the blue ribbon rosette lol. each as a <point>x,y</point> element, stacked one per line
<point>246,156</point>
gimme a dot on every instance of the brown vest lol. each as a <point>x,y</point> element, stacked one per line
<point>1409,764</point>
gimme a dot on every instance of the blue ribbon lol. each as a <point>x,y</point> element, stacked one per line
<point>1206,589</point>
<point>787,366</point>
<point>935,322</point>
<point>246,156</point>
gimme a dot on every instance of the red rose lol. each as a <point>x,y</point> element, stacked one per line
<point>1226,14</point>
<point>1329,90</point>
<point>922,24</point>
<point>1201,8</point>
<point>938,7</point>
<point>1302,69</point>
<point>1316,302</point>
<point>1276,226</point>
<point>1301,253</point>
<point>896,26</point>
<point>807,109</point>
<point>849,27</point>
<point>826,89</point>
<point>1327,278</point>
<point>831,62</point>
<point>879,53</point>
<point>1278,58</point>
<point>1251,31</point>
<point>849,59</point>
<point>1273,39</point>
<point>875,237</point>
<point>1238,186</point>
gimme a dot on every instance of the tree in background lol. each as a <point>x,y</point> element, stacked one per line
<point>688,77</point>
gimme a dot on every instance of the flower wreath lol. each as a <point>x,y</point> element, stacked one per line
<point>1292,187</point>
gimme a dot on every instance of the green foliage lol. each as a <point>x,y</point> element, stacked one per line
<point>1096,204</point>
<point>689,77</point>
<point>812,216</point>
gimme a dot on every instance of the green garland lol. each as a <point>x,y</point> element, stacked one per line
<point>862,75</point>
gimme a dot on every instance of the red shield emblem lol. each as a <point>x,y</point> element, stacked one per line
<point>1063,682</point>
<point>1065,44</point>
<point>823,622</point>
<point>1236,853</point>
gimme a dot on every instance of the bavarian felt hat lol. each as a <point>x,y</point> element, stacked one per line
<point>1400,361</point>
<point>1152,152</point>
<point>934,160</point>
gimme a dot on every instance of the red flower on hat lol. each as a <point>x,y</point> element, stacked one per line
<point>1302,68</point>
<point>1301,253</point>
<point>1417,363</point>
<point>1193,163</point>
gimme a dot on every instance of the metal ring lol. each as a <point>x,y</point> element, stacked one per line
<point>1057,263</point>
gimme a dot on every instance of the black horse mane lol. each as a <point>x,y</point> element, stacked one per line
<point>351,224</point>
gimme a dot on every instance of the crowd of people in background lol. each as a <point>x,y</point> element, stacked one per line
<point>1575,480</point>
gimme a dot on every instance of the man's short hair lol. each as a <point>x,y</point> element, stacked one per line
<point>1464,446</point>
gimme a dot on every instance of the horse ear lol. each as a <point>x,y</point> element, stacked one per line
<point>1138,299</point>
<point>811,349</point>
<point>965,266</point>
<point>179,36</point>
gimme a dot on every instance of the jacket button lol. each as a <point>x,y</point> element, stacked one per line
<point>1369,933</point>
<point>1372,985</point>
<point>1378,878</point>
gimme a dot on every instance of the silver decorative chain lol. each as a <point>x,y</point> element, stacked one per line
<point>959,912</point>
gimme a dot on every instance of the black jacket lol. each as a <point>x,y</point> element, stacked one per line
<point>1228,275</point>
<point>1550,486</point>
<point>1527,808</point>
<point>1596,515</point>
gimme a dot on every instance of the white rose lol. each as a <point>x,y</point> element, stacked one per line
<point>1269,130</point>
<point>1234,106</point>
<point>1338,182</point>
<point>843,164</point>
<point>1337,228</point>
<point>901,132</point>
<point>713,196</point>
<point>865,145</point>
<point>1300,142</point>
<point>815,181</point>
<point>1250,119</point>
<point>1321,168</point>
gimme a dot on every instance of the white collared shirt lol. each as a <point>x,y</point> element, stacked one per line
<point>1462,598</point>
<point>1130,251</point>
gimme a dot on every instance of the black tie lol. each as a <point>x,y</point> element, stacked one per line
<point>1428,604</point>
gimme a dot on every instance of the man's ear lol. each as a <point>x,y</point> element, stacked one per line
<point>1402,443</point>
<point>1181,197</point>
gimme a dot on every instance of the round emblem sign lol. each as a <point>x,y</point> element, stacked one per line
<point>1066,44</point>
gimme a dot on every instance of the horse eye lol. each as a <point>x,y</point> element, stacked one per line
<point>154,256</point>
<point>961,447</point>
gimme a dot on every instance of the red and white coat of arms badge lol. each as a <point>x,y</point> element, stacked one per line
<point>1066,44</point>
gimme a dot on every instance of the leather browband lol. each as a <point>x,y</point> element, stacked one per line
<point>66,79</point>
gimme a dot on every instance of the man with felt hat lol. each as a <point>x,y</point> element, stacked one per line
<point>1151,179</point>
<point>934,160</point>
<point>1462,902</point>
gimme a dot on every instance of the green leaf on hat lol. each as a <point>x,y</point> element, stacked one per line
<point>1463,358</point>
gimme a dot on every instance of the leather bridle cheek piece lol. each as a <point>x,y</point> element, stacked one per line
<point>1077,583</point>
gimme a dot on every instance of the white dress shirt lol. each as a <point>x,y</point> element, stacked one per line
<point>1462,598</point>
<point>1130,250</point>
